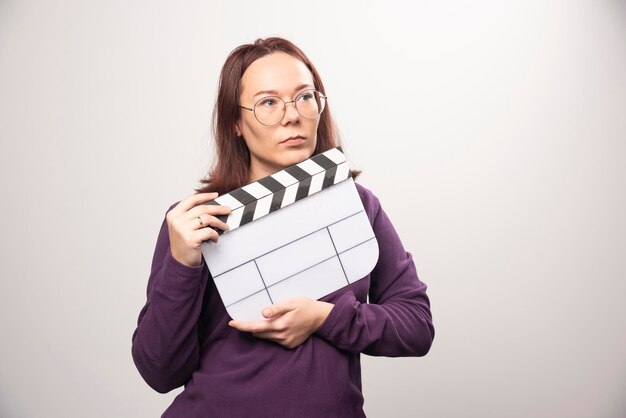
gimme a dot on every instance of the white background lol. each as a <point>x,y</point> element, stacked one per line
<point>492,131</point>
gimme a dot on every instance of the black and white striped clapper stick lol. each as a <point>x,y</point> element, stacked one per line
<point>281,189</point>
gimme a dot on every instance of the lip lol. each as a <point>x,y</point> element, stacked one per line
<point>294,140</point>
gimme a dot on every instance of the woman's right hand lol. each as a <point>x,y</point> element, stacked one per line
<point>189,225</point>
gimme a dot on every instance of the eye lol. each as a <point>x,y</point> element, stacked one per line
<point>268,102</point>
<point>306,96</point>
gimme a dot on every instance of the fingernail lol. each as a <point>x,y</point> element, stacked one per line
<point>267,313</point>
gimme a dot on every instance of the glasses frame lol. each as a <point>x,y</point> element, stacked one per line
<point>285,103</point>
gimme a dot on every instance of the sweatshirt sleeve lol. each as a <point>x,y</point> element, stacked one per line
<point>165,344</point>
<point>397,320</point>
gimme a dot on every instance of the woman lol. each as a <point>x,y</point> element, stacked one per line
<point>303,359</point>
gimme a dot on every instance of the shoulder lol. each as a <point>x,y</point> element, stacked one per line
<point>369,199</point>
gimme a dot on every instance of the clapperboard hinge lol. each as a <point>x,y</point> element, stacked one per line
<point>283,188</point>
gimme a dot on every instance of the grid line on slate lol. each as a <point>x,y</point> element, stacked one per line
<point>289,243</point>
<point>336,255</point>
<point>339,258</point>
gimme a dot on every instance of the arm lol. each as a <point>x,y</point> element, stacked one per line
<point>165,345</point>
<point>397,321</point>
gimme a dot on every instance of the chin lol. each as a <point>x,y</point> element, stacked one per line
<point>295,156</point>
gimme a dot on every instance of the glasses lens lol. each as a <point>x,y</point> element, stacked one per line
<point>269,110</point>
<point>310,103</point>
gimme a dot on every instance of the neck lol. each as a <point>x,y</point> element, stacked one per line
<point>257,171</point>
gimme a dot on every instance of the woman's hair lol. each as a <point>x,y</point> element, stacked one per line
<point>232,160</point>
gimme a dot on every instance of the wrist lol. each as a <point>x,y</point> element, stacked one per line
<point>323,310</point>
<point>196,262</point>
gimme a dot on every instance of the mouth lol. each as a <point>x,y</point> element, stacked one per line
<point>293,139</point>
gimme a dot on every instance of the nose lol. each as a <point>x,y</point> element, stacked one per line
<point>291,113</point>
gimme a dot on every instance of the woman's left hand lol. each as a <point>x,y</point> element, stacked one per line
<point>289,323</point>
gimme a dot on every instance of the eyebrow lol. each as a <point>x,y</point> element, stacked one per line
<point>300,87</point>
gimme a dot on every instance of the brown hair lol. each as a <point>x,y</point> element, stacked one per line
<point>232,160</point>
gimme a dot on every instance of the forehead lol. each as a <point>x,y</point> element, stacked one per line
<point>277,71</point>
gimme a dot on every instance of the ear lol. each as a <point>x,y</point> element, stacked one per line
<point>237,130</point>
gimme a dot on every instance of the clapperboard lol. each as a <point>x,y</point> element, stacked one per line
<point>302,231</point>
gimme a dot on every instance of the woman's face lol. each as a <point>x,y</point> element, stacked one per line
<point>278,74</point>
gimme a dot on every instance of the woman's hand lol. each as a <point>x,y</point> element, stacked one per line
<point>188,224</point>
<point>289,323</point>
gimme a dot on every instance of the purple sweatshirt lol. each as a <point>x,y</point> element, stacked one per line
<point>183,338</point>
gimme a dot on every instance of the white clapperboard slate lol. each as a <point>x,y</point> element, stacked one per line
<point>302,231</point>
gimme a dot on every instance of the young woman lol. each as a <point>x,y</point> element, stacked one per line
<point>302,360</point>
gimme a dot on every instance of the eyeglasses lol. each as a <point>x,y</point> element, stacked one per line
<point>270,110</point>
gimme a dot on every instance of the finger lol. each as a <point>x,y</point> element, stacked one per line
<point>270,335</point>
<point>205,234</point>
<point>214,210</point>
<point>251,326</point>
<point>278,309</point>
<point>204,221</point>
<point>193,200</point>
